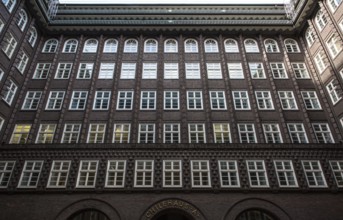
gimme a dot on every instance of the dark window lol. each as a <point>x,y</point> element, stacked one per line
<point>89,215</point>
<point>255,215</point>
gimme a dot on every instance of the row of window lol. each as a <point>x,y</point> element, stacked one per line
<point>172,173</point>
<point>10,44</point>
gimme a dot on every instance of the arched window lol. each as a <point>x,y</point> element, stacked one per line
<point>9,4</point>
<point>170,46</point>
<point>291,46</point>
<point>22,19</point>
<point>255,214</point>
<point>271,46</point>
<point>211,46</point>
<point>251,46</point>
<point>33,36</point>
<point>111,46</point>
<point>309,35</point>
<point>321,20</point>
<point>131,46</point>
<point>91,46</point>
<point>334,4</point>
<point>89,215</point>
<point>50,46</point>
<point>150,46</point>
<point>70,46</point>
<point>191,46</point>
<point>231,46</point>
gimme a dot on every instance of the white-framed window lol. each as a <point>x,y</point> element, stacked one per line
<point>71,133</point>
<point>111,46</point>
<point>287,100</point>
<point>9,4</point>
<point>6,169</point>
<point>323,133</point>
<point>149,71</point>
<point>171,133</point>
<point>125,100</point>
<point>115,175</point>
<point>247,133</point>
<point>171,100</point>
<point>272,133</point>
<point>20,134</point>
<point>170,46</point>
<point>211,46</point>
<point>9,45</point>
<point>172,173</point>
<point>102,100</point>
<point>78,100</point>
<point>42,71</point>
<point>85,71</point>
<point>46,134</point>
<point>106,70</point>
<point>55,100</point>
<point>297,133</point>
<point>337,169</point>
<point>2,73</point>
<point>257,71</point>
<point>192,70</point>
<point>271,46</point>
<point>22,20</point>
<point>291,46</point>
<point>217,99</point>
<point>222,133</point>
<point>23,60</point>
<point>264,100</point>
<point>341,121</point>
<point>150,46</point>
<point>86,177</point>
<point>148,100</point>
<point>257,173</point>
<point>96,133</point>
<point>310,37</point>
<point>30,174</point>
<point>146,134</point>
<point>334,44</point>
<point>194,100</point>
<point>50,46</point>
<point>70,46</point>
<point>314,173</point>
<point>241,100</point>
<point>333,91</point>
<point>63,70</point>
<point>121,133</point>
<point>191,46</point>
<point>171,70</point>
<point>235,70</point>
<point>59,174</point>
<point>311,100</point>
<point>321,20</point>
<point>10,92</point>
<point>128,71</point>
<point>334,4</point>
<point>32,37</point>
<point>285,173</point>
<point>251,46</point>
<point>91,46</point>
<point>2,121</point>
<point>231,46</point>
<point>2,25</point>
<point>196,133</point>
<point>31,100</point>
<point>341,24</point>
<point>131,46</point>
<point>278,70</point>
<point>144,173</point>
<point>200,170</point>
<point>214,71</point>
<point>300,70</point>
<point>228,172</point>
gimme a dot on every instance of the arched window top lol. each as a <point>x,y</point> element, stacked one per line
<point>255,214</point>
<point>131,46</point>
<point>321,20</point>
<point>170,46</point>
<point>150,46</point>
<point>9,4</point>
<point>309,35</point>
<point>231,46</point>
<point>111,46</point>
<point>33,36</point>
<point>191,46</point>
<point>91,46</point>
<point>50,46</point>
<point>251,46</point>
<point>211,46</point>
<point>22,21</point>
<point>271,46</point>
<point>70,46</point>
<point>291,46</point>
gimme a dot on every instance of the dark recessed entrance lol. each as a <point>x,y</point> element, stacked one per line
<point>89,215</point>
<point>173,215</point>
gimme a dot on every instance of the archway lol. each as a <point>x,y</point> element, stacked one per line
<point>90,214</point>
<point>256,214</point>
<point>173,214</point>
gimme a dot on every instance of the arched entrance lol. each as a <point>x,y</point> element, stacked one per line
<point>90,214</point>
<point>255,214</point>
<point>173,214</point>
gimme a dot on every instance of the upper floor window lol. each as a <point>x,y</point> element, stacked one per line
<point>144,173</point>
<point>334,44</point>
<point>20,134</point>
<point>111,46</point>
<point>46,133</point>
<point>196,133</point>
<point>337,168</point>
<point>247,133</point>
<point>200,170</point>
<point>170,46</point>
<point>297,133</point>
<point>106,71</point>
<point>59,174</point>
<point>96,133</point>
<point>10,92</point>
<point>171,71</point>
<point>272,133</point>
<point>271,46</point>
<point>291,46</point>
<point>146,134</point>
<point>22,21</point>
<point>87,173</point>
<point>235,70</point>
<point>131,46</point>
<point>50,46</point>
<point>71,133</point>
<point>70,46</point>
<point>323,133</point>
<point>6,168</point>
<point>9,4</point>
<point>214,71</point>
<point>91,46</point>
<point>9,45</point>
<point>314,173</point>
<point>172,173</point>
<point>121,133</point>
<point>257,71</point>
<point>30,174</point>
<point>33,36</point>
<point>31,100</point>
<point>300,71</point>
<point>149,71</point>
<point>2,24</point>
<point>128,71</point>
<point>333,90</point>
<point>321,20</point>
<point>150,46</point>
<point>231,46</point>
<point>191,46</point>
<point>310,37</point>
<point>251,46</point>
<point>23,60</point>
<point>257,173</point>
<point>311,100</point>
<point>285,173</point>
<point>115,176</point>
<point>228,171</point>
<point>2,73</point>
<point>278,70</point>
<point>211,46</point>
<point>319,60</point>
<point>192,70</point>
<point>334,4</point>
<point>171,133</point>
<point>221,133</point>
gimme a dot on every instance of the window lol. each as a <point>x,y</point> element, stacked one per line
<point>192,70</point>
<point>228,171</point>
<point>322,132</point>
<point>78,100</point>
<point>334,44</point>
<point>191,46</point>
<point>87,173</point>
<point>196,133</point>
<point>148,100</point>
<point>171,133</point>
<point>172,173</point>
<point>91,46</point>
<point>311,100</point>
<point>287,100</point>
<point>194,100</point>
<point>23,60</point>
<point>231,46</point>
<point>30,174</point>
<point>214,71</point>
<point>150,46</point>
<point>121,133</point>
<point>251,46</point>
<point>211,46</point>
<point>96,133</point>
<point>171,100</point>
<point>20,134</point>
<point>59,174</point>
<point>46,133</point>
<point>125,100</point>
<point>33,36</point>
<point>63,70</point>
<point>241,100</point>
<point>170,46</point>
<point>264,100</point>
<point>10,91</point>
<point>71,133</point>
<point>333,90</point>
<point>149,71</point>
<point>2,25</point>
<point>102,100</point>
<point>257,71</point>
<point>70,46</point>
<point>131,46</point>
<point>247,133</point>
<point>218,101</point>
<point>2,73</point>
<point>337,169</point>
<point>291,46</point>
<point>6,169</point>
<point>285,173</point>
<point>50,46</point>
<point>300,71</point>
<point>42,71</point>
<point>128,71</point>
<point>171,71</point>
<point>55,100</point>
<point>146,133</point>
<point>2,121</point>
<point>200,173</point>
<point>31,101</point>
<point>144,173</point>
<point>111,46</point>
<point>272,133</point>
<point>115,177</point>
<point>9,45</point>
<point>310,37</point>
<point>297,133</point>
<point>257,173</point>
<point>321,20</point>
<point>314,173</point>
<point>85,71</point>
<point>235,70</point>
<point>278,70</point>
<point>221,133</point>
<point>22,21</point>
<point>9,4</point>
<point>271,46</point>
<point>334,4</point>
<point>106,70</point>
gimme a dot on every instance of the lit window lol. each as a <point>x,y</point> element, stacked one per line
<point>111,46</point>
<point>310,37</point>
<point>334,4</point>
<point>221,133</point>
<point>285,173</point>
<point>218,101</point>
<point>96,133</point>
<point>257,71</point>
<point>101,100</point>
<point>196,133</point>
<point>214,71</point>
<point>71,133</point>
<point>115,177</point>
<point>211,46</point>
<point>125,100</point>
<point>146,133</point>
<point>106,70</point>
<point>192,71</point>
<point>278,70</point>
<point>291,46</point>
<point>191,46</point>
<point>78,100</point>
<point>333,90</point>
<point>148,100</point>
<point>128,71</point>
<point>85,71</point>
<point>251,46</point>
<point>228,171</point>
<point>6,169</point>
<point>149,71</point>
<point>22,19</point>
<point>171,100</point>
<point>287,100</point>
<point>170,46</point>
<point>300,71</point>
<point>59,174</point>
<point>272,133</point>
<point>33,36</point>
<point>144,173</point>
<point>46,133</point>
<point>231,46</point>
<point>50,46</point>
<point>172,173</point>
<point>321,20</point>
<point>42,71</point>
<point>55,100</point>
<point>200,173</point>
<point>70,46</point>
<point>264,100</point>
<point>171,71</point>
<point>150,46</point>
<point>297,133</point>
<point>30,174</point>
<point>247,133</point>
<point>241,100</point>
<point>20,134</point>
<point>334,44</point>
<point>271,46</point>
<point>87,174</point>
<point>9,45</point>
<point>314,173</point>
<point>31,101</point>
<point>235,70</point>
<point>322,132</point>
<point>194,100</point>
<point>337,169</point>
<point>121,133</point>
<point>257,173</point>
<point>10,91</point>
<point>63,70</point>
<point>91,46</point>
<point>9,4</point>
<point>311,100</point>
<point>171,133</point>
<point>131,46</point>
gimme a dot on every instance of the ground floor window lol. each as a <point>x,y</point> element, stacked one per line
<point>254,214</point>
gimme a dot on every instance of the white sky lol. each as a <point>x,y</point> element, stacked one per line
<point>175,1</point>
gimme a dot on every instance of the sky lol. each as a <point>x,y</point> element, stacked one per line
<point>175,1</point>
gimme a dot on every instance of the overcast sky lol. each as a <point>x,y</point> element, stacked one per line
<point>175,1</point>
